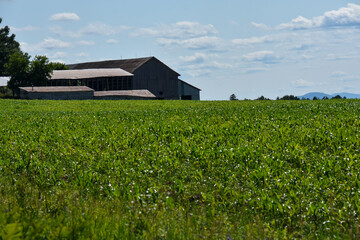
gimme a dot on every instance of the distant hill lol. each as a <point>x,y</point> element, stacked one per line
<point>321,95</point>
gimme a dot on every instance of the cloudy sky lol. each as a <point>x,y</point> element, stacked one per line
<point>249,48</point>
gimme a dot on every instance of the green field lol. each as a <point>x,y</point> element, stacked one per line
<point>179,170</point>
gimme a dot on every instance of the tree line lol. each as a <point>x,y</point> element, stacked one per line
<point>287,97</point>
<point>16,64</point>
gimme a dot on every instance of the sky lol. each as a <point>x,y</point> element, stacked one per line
<point>247,48</point>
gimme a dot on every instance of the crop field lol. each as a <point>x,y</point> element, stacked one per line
<point>179,170</point>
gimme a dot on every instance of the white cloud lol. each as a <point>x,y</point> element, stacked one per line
<point>255,70</point>
<point>341,56</point>
<point>197,58</point>
<point>65,33</point>
<point>338,74</point>
<point>91,29</point>
<point>24,29</point>
<point>65,17</point>
<point>267,57</point>
<point>346,16</point>
<point>253,40</point>
<point>201,64</point>
<point>101,29</point>
<point>86,43</point>
<point>302,47</point>
<point>204,42</point>
<point>307,57</point>
<point>24,46</point>
<point>47,44</point>
<point>204,68</point>
<point>345,77</point>
<point>112,41</point>
<point>260,26</point>
<point>82,54</point>
<point>297,23</point>
<point>59,55</point>
<point>301,83</point>
<point>51,43</point>
<point>179,30</point>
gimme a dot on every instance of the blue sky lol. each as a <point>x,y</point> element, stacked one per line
<point>249,48</point>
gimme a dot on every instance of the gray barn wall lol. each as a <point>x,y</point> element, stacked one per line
<point>188,90</point>
<point>57,95</point>
<point>157,78</point>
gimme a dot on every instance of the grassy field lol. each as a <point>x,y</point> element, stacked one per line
<point>179,170</point>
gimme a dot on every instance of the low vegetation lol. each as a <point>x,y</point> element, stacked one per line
<point>179,170</point>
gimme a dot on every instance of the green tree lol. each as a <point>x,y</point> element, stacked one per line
<point>288,97</point>
<point>18,69</point>
<point>26,73</point>
<point>40,71</point>
<point>8,46</point>
<point>262,98</point>
<point>233,97</point>
<point>337,97</point>
<point>58,66</point>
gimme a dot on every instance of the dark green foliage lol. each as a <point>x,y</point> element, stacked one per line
<point>18,69</point>
<point>233,97</point>
<point>337,97</point>
<point>262,98</point>
<point>288,97</point>
<point>58,66</point>
<point>8,46</point>
<point>25,73</point>
<point>176,170</point>
<point>40,71</point>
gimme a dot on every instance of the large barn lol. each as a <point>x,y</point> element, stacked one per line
<point>137,74</point>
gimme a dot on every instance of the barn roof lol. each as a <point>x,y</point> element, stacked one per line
<point>89,73</point>
<point>143,93</point>
<point>189,84</point>
<point>58,89</point>
<point>129,65</point>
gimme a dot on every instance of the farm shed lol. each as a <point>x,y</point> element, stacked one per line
<point>188,92</point>
<point>97,79</point>
<point>125,95</point>
<point>148,73</point>
<point>57,93</point>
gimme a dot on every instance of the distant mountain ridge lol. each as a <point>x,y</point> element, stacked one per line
<point>321,95</point>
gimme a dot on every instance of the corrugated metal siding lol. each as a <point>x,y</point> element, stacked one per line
<point>186,90</point>
<point>158,79</point>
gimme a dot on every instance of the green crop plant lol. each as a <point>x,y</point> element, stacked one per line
<point>179,170</point>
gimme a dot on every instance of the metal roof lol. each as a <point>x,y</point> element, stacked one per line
<point>132,93</point>
<point>189,84</point>
<point>58,89</point>
<point>89,73</point>
<point>129,65</point>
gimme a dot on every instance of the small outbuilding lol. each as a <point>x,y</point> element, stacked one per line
<point>188,91</point>
<point>57,93</point>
